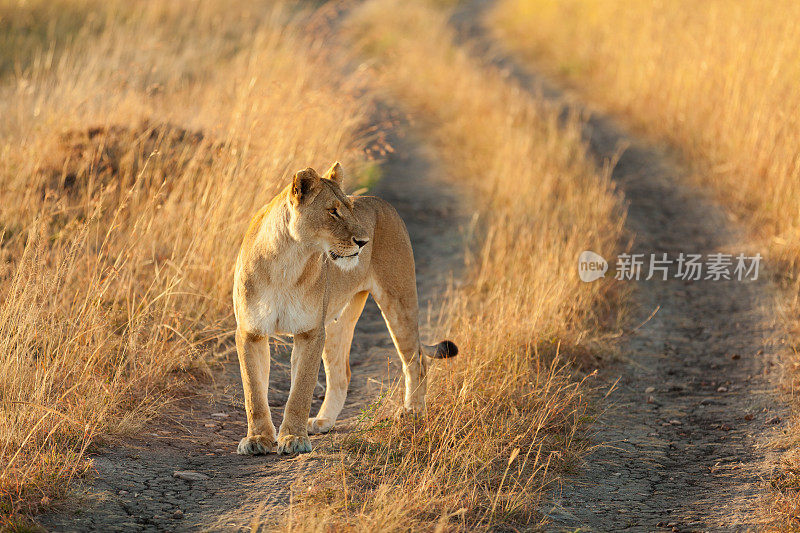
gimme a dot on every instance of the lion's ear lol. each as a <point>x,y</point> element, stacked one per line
<point>335,174</point>
<point>304,184</point>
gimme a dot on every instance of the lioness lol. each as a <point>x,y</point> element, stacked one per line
<point>308,261</point>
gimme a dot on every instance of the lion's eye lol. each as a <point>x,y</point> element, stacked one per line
<point>334,212</point>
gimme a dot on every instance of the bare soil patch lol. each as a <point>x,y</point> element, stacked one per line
<point>114,155</point>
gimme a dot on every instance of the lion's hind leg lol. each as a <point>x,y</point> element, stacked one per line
<point>336,357</point>
<point>400,312</point>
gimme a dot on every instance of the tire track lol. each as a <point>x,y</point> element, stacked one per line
<point>695,456</point>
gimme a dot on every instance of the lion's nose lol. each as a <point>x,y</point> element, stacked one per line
<point>360,242</point>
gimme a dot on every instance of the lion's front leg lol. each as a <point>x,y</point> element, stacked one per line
<point>306,356</point>
<point>254,360</point>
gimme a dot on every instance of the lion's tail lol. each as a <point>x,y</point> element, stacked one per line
<point>443,350</point>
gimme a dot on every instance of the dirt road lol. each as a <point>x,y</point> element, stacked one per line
<point>681,444</point>
<point>135,487</point>
<point>681,440</point>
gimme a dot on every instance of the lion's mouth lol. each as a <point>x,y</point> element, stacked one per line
<point>336,256</point>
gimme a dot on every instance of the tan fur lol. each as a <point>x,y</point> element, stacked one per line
<point>293,276</point>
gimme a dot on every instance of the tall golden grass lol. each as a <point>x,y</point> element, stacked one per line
<point>136,142</point>
<point>717,80</point>
<point>502,416</point>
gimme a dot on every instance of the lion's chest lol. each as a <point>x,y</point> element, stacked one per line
<point>282,311</point>
<point>285,297</point>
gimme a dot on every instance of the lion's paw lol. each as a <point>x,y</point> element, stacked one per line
<point>291,444</point>
<point>319,425</point>
<point>256,445</point>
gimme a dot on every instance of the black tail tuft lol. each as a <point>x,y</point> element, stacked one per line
<point>445,349</point>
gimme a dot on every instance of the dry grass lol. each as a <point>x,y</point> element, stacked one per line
<point>716,79</point>
<point>136,142</point>
<point>502,416</point>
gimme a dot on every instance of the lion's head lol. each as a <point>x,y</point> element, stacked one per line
<point>322,215</point>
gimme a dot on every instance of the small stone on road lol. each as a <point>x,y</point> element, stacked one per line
<point>189,475</point>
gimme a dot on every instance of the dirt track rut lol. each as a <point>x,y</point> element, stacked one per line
<point>134,488</point>
<point>695,456</point>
